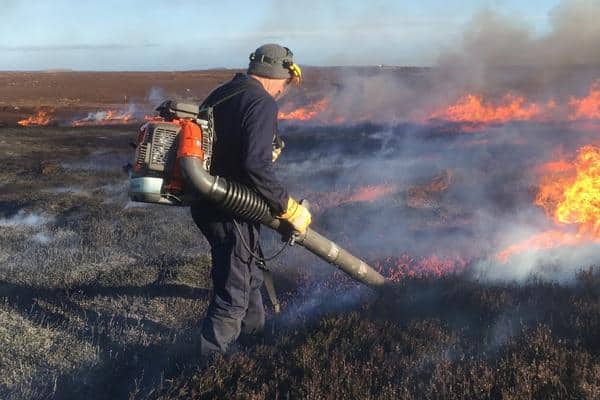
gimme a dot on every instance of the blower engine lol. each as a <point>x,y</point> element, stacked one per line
<point>172,164</point>
<point>178,131</point>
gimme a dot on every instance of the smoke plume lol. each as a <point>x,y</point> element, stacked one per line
<point>502,51</point>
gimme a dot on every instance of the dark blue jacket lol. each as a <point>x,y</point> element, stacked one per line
<point>245,125</point>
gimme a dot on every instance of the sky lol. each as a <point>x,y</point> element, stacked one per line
<point>187,34</point>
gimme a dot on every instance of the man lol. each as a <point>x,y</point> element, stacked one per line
<point>247,144</point>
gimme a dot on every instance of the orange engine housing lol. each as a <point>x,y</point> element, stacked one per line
<point>156,175</point>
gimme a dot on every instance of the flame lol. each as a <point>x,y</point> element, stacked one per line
<point>308,113</point>
<point>370,193</point>
<point>110,117</point>
<point>587,107</point>
<point>544,240</point>
<point>398,268</point>
<point>556,167</point>
<point>418,196</point>
<point>570,196</point>
<point>40,118</point>
<point>577,199</point>
<point>473,108</point>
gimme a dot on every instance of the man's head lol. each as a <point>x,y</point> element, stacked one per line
<point>273,66</point>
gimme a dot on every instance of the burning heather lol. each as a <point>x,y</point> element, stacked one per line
<point>469,108</point>
<point>109,117</point>
<point>44,117</point>
<point>575,199</point>
<point>511,107</point>
<point>429,205</point>
<point>587,107</point>
<point>41,118</point>
<point>473,108</point>
<point>570,195</point>
<point>307,113</point>
<point>361,194</point>
<point>371,193</point>
<point>405,266</point>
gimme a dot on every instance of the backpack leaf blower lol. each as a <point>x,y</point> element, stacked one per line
<point>172,165</point>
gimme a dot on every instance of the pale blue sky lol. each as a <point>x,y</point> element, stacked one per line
<point>185,34</point>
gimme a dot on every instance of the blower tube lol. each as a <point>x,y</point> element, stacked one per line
<point>247,204</point>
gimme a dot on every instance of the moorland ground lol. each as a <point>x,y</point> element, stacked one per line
<point>102,298</point>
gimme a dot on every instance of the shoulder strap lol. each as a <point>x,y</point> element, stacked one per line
<point>209,102</point>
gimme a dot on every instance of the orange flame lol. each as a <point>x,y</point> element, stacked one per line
<point>544,240</point>
<point>587,107</point>
<point>40,118</point>
<point>472,108</point>
<point>570,195</point>
<point>370,193</point>
<point>308,113</point>
<point>110,117</point>
<point>577,200</point>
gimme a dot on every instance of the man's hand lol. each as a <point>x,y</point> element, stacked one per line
<point>297,215</point>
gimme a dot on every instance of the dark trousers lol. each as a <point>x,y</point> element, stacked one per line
<point>236,305</point>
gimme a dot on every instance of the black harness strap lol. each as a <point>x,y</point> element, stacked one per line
<point>209,102</point>
<point>269,284</point>
<point>271,290</point>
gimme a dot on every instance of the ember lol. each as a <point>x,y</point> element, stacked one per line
<point>424,196</point>
<point>41,118</point>
<point>398,268</point>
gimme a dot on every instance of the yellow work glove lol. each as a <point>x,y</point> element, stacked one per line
<point>297,215</point>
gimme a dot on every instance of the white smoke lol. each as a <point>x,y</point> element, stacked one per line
<point>42,238</point>
<point>156,95</point>
<point>23,218</point>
